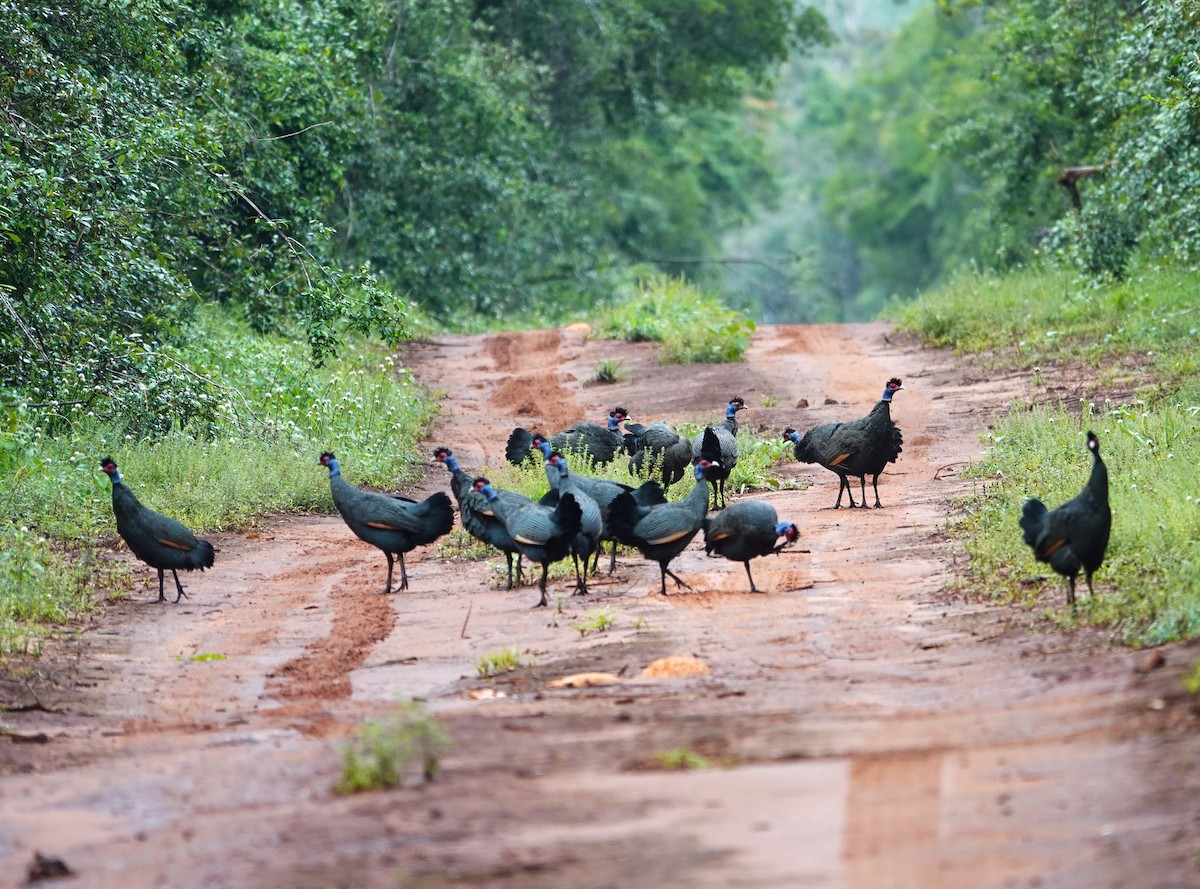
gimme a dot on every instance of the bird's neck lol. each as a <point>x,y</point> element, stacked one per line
<point>334,469</point>
<point>614,425</point>
<point>452,463</point>
<point>1098,482</point>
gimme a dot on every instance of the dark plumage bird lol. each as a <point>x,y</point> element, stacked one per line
<point>159,541</point>
<point>1073,537</point>
<point>663,531</point>
<point>662,449</point>
<point>543,534</point>
<point>601,443</point>
<point>394,524</point>
<point>718,445</point>
<point>477,516</point>
<point>591,523</point>
<point>857,448</point>
<point>746,531</point>
<point>603,491</point>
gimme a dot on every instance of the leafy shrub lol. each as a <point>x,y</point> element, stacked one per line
<point>689,325</point>
<point>494,663</point>
<point>384,752</point>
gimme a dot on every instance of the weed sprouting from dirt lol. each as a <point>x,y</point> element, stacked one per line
<point>383,752</point>
<point>595,622</point>
<point>682,758</point>
<point>496,662</point>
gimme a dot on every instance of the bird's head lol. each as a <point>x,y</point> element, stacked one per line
<point>787,530</point>
<point>791,435</point>
<point>559,461</point>
<point>483,486</point>
<point>893,385</point>
<point>541,444</point>
<point>1093,444</point>
<point>704,466</point>
<point>446,456</point>
<point>109,468</point>
<point>737,403</point>
<point>329,461</point>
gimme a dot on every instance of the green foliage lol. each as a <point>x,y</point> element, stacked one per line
<point>384,752</point>
<point>681,758</point>
<point>610,371</point>
<point>600,621</point>
<point>271,414</point>
<point>1148,590</point>
<point>689,325</point>
<point>494,663</point>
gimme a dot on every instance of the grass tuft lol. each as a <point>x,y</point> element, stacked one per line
<point>384,752</point>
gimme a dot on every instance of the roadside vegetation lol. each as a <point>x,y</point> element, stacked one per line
<point>267,415</point>
<point>1129,352</point>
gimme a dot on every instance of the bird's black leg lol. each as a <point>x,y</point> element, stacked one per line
<point>388,588</point>
<point>542,586</point>
<point>403,573</point>
<point>1071,591</point>
<point>753,588</point>
<point>844,485</point>
<point>580,578</point>
<point>612,563</point>
<point>862,481</point>
<point>178,585</point>
<point>1088,576</point>
<point>678,582</point>
<point>875,485</point>
<point>161,597</point>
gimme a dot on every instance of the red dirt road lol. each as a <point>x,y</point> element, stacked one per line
<point>867,728</point>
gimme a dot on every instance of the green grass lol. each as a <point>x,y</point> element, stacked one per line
<point>384,752</point>
<point>1146,329</point>
<point>496,662</point>
<point>273,414</point>
<point>599,621</point>
<point>682,759</point>
<point>688,324</point>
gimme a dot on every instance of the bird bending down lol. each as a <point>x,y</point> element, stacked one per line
<point>745,531</point>
<point>477,516</point>
<point>394,524</point>
<point>718,445</point>
<point>601,490</point>
<point>159,541</point>
<point>857,448</point>
<point>663,531</point>
<point>591,524</point>
<point>1074,536</point>
<point>661,449</point>
<point>543,534</point>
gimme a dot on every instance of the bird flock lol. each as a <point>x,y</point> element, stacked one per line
<point>580,513</point>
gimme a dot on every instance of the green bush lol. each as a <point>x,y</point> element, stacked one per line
<point>383,752</point>
<point>689,325</point>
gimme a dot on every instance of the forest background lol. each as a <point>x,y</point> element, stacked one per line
<point>212,213</point>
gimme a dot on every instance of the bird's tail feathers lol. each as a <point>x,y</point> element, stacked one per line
<point>520,441</point>
<point>567,515</point>
<point>1033,515</point>
<point>441,513</point>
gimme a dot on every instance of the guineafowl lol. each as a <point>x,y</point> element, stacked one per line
<point>663,531</point>
<point>662,448</point>
<point>544,534</point>
<point>856,448</point>
<point>591,524</point>
<point>394,524</point>
<point>1075,535</point>
<point>601,443</point>
<point>476,514</point>
<point>745,531</point>
<point>718,445</point>
<point>159,541</point>
<point>603,491</point>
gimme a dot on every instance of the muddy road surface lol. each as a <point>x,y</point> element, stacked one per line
<point>864,726</point>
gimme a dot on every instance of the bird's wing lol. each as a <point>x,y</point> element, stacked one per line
<point>663,524</point>
<point>389,513</point>
<point>532,525</point>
